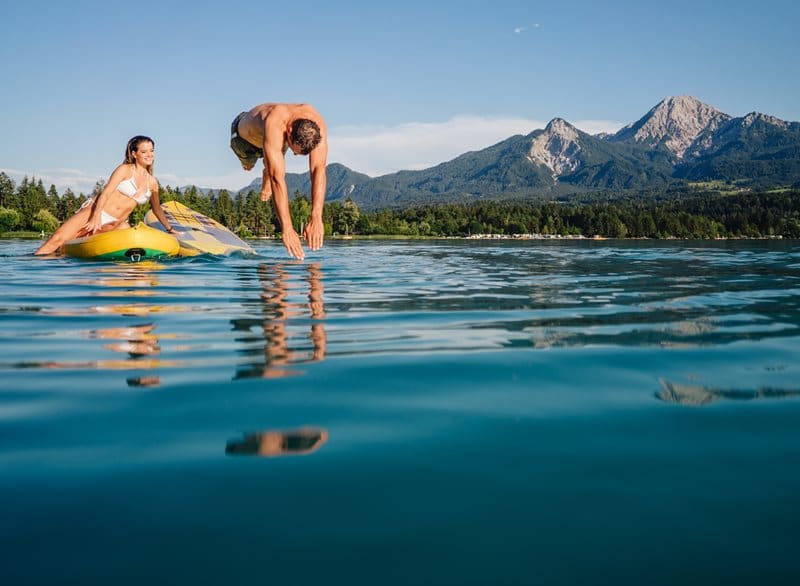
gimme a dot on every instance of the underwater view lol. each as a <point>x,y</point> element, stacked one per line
<point>404,412</point>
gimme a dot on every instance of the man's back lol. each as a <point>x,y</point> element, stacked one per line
<point>263,117</point>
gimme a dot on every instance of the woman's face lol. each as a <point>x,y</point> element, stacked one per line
<point>145,153</point>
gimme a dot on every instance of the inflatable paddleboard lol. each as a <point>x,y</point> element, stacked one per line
<point>196,233</point>
<point>133,244</point>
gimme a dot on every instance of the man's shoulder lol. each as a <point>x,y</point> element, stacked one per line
<point>270,108</point>
<point>273,113</point>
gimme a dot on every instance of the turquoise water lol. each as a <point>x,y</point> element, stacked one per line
<point>404,413</point>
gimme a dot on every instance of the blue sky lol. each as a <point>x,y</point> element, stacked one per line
<point>401,85</point>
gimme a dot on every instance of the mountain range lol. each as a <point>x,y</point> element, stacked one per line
<point>680,140</point>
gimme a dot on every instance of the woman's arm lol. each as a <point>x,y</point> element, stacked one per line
<point>155,205</point>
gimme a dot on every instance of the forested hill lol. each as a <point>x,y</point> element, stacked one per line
<point>29,207</point>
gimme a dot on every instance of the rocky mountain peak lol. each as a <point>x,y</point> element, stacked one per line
<point>675,122</point>
<point>561,127</point>
<point>752,117</point>
<point>556,147</point>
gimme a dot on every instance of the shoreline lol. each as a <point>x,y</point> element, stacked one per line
<point>525,237</point>
<point>36,236</point>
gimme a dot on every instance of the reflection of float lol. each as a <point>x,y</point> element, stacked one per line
<point>137,345</point>
<point>134,280</point>
<point>129,310</point>
<point>133,363</point>
<point>136,309</point>
<point>699,395</point>
<point>139,342</point>
<point>297,442</point>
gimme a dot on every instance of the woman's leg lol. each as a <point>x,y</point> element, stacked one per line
<point>70,229</point>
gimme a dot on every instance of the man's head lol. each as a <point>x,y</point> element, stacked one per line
<point>304,135</point>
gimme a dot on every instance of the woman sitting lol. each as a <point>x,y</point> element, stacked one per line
<point>131,184</point>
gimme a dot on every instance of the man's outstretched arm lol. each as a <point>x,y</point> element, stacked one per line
<point>314,232</point>
<point>276,165</point>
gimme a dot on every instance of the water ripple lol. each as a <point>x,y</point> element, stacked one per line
<point>259,316</point>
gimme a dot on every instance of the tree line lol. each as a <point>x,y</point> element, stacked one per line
<point>32,208</point>
<point>28,206</point>
<point>744,215</point>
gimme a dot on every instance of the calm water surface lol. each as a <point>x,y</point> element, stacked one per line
<point>404,413</point>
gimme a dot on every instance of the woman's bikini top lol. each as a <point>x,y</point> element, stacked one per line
<point>128,187</point>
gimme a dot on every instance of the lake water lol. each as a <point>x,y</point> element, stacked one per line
<point>449,412</point>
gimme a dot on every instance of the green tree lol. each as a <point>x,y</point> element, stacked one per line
<point>7,188</point>
<point>300,210</point>
<point>257,215</point>
<point>44,221</point>
<point>223,209</point>
<point>53,200</point>
<point>243,231</point>
<point>31,197</point>
<point>198,201</point>
<point>9,219</point>
<point>68,204</point>
<point>348,217</point>
<point>241,204</point>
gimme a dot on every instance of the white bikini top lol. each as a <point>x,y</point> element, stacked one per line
<point>128,187</point>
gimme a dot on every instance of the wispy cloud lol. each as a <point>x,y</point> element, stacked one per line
<point>374,150</point>
<point>597,126</point>
<point>233,180</point>
<point>377,150</point>
<point>521,29</point>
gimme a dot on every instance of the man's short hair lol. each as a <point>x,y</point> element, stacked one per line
<point>306,135</point>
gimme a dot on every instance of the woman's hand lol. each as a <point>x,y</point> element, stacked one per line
<point>94,224</point>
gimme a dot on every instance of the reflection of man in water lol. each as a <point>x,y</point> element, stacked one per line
<point>280,314</point>
<point>278,443</point>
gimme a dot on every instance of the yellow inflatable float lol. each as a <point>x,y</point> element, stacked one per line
<point>132,244</point>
